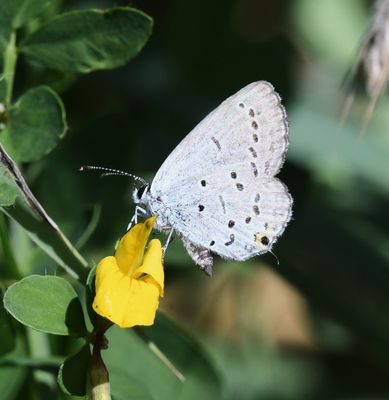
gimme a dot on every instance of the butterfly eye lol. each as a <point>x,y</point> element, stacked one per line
<point>140,192</point>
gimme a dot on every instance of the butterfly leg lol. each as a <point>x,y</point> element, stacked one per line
<point>134,219</point>
<point>169,239</point>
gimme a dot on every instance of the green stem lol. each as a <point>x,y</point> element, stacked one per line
<point>39,346</point>
<point>52,241</point>
<point>90,228</point>
<point>160,355</point>
<point>98,386</point>
<point>11,269</point>
<point>10,58</point>
<point>41,228</point>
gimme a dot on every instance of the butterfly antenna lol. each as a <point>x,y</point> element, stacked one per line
<point>112,171</point>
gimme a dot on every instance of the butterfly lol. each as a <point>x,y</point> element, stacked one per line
<point>217,190</point>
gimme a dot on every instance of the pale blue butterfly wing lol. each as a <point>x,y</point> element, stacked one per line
<point>217,188</point>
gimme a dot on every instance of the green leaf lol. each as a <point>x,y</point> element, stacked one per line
<point>8,190</point>
<point>46,303</point>
<point>3,91</point>
<point>72,374</point>
<point>128,375</point>
<point>36,124</point>
<point>15,13</point>
<point>18,12</point>
<point>88,40</point>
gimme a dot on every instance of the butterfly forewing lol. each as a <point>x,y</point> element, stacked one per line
<point>248,127</point>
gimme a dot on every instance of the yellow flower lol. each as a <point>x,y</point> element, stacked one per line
<point>129,284</point>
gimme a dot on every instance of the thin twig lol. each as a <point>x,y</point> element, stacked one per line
<point>68,257</point>
<point>160,355</point>
<point>20,182</point>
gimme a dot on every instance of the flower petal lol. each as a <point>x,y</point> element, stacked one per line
<point>124,301</point>
<point>152,266</point>
<point>142,304</point>
<point>110,285</point>
<point>130,250</point>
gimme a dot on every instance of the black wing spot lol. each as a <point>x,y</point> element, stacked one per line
<point>222,203</point>
<point>255,169</point>
<point>233,175</point>
<point>241,105</point>
<point>251,113</point>
<point>248,219</point>
<point>256,210</point>
<point>255,137</point>
<point>201,207</point>
<point>239,186</point>
<point>232,239</point>
<point>214,140</point>
<point>253,152</point>
<point>267,166</point>
<point>265,240</point>
<point>203,183</point>
<point>231,223</point>
<point>254,125</point>
<point>212,243</point>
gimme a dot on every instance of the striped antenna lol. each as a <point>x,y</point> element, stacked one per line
<point>112,171</point>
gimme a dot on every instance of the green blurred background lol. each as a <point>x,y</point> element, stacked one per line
<point>316,326</point>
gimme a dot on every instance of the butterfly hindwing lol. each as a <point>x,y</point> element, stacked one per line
<point>230,216</point>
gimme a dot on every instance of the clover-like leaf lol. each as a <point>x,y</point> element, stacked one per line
<point>72,374</point>
<point>46,303</point>
<point>36,124</point>
<point>15,13</point>
<point>88,40</point>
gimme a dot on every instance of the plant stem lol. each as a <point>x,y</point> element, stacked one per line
<point>11,269</point>
<point>160,355</point>
<point>53,242</point>
<point>98,386</point>
<point>10,58</point>
<point>40,348</point>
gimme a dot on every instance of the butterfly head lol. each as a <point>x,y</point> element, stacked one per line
<point>140,193</point>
